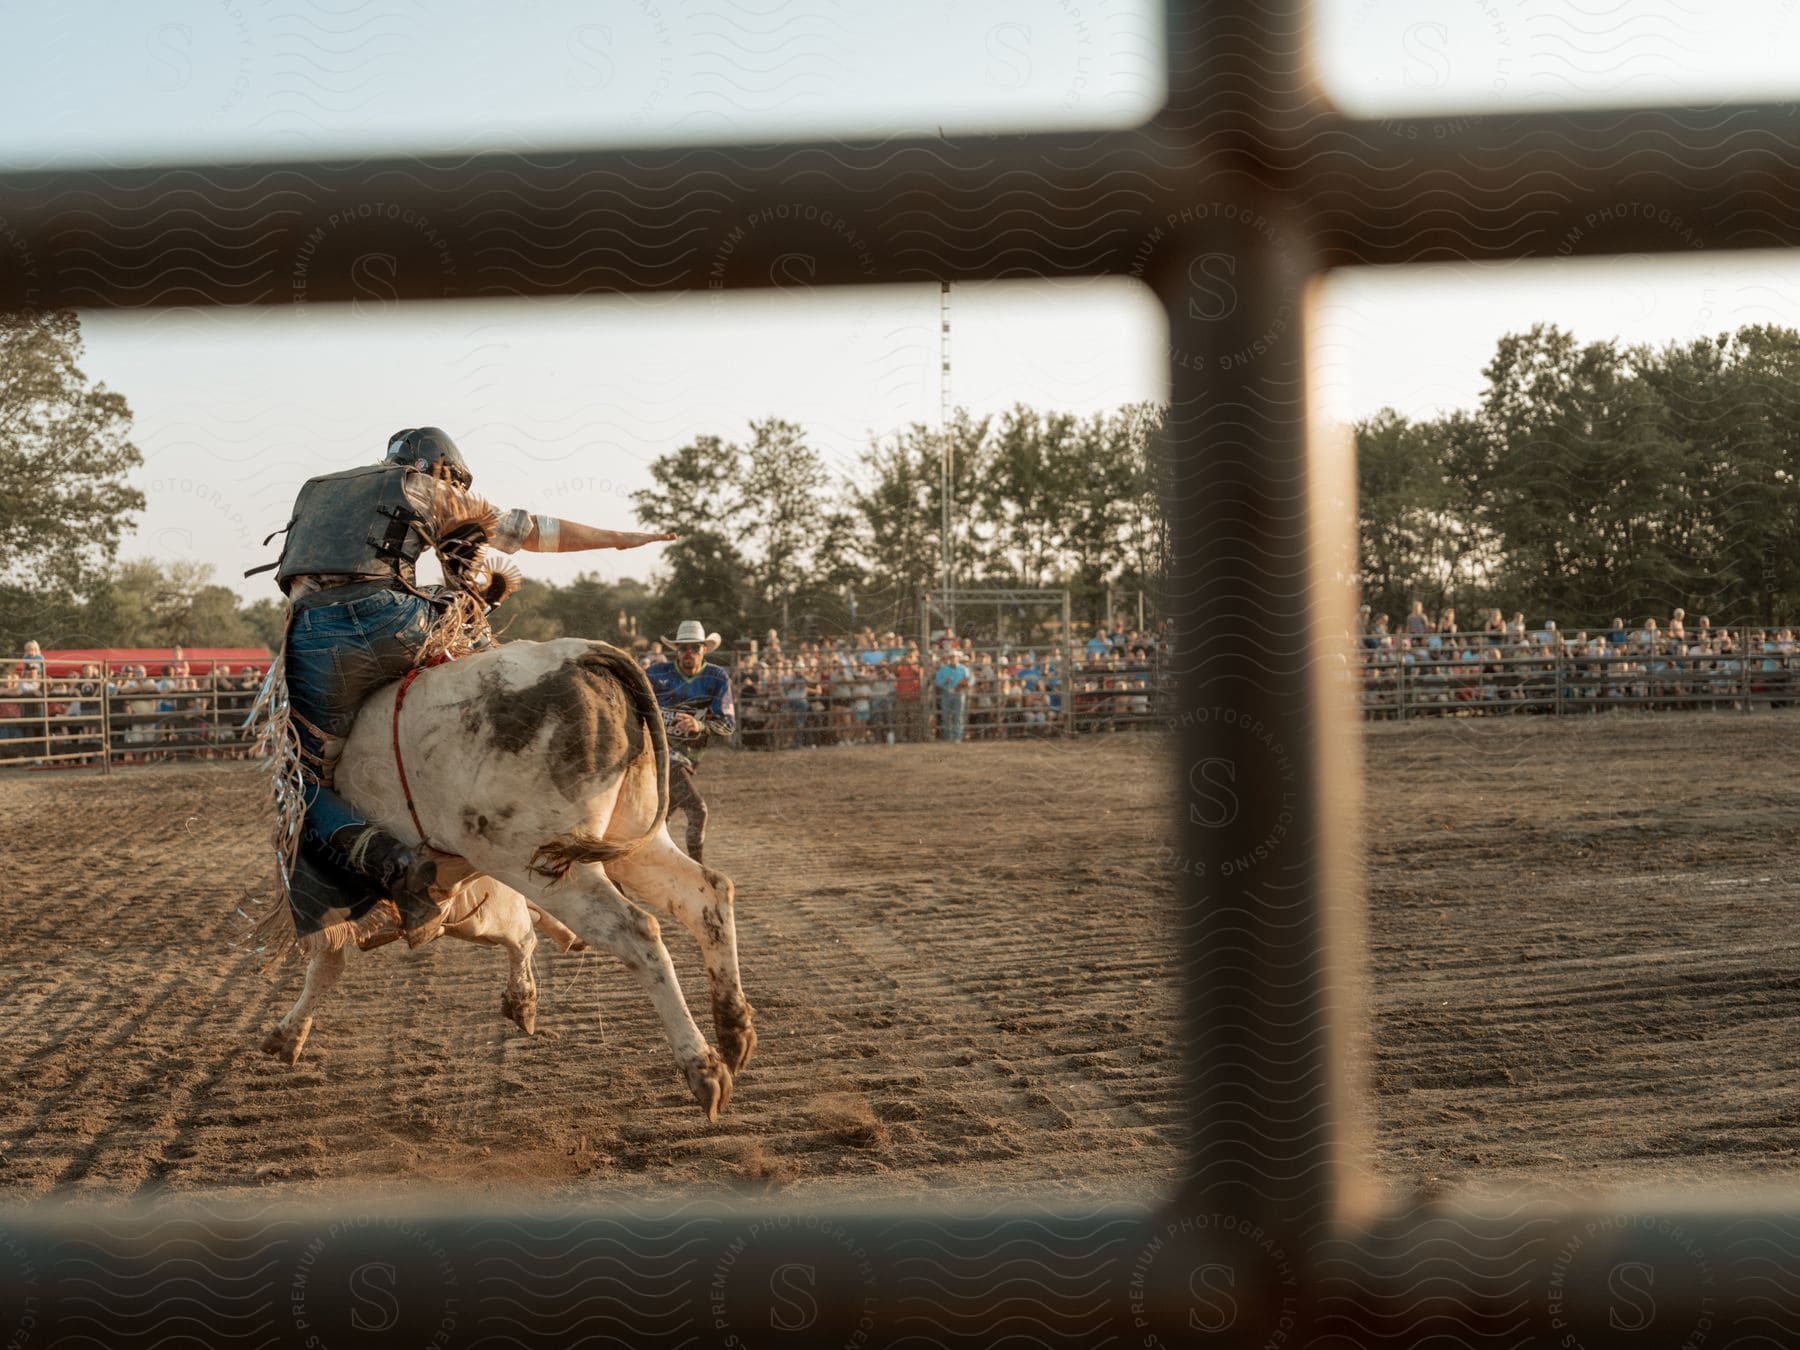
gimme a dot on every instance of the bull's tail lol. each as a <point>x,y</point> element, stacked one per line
<point>555,858</point>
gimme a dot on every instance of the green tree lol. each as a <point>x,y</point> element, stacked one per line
<point>697,495</point>
<point>1586,479</point>
<point>528,614</point>
<point>1417,529</point>
<point>1102,474</point>
<point>64,456</point>
<point>1735,402</point>
<point>152,604</point>
<point>1144,486</point>
<point>1028,482</point>
<point>782,512</point>
<point>265,620</point>
<point>896,529</point>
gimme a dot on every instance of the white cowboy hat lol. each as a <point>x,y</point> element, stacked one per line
<point>692,630</point>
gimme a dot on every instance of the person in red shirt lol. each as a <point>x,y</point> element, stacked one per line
<point>909,702</point>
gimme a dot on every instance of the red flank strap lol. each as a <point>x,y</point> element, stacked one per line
<point>399,760</point>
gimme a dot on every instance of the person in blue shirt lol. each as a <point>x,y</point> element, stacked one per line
<point>696,704</point>
<point>952,680</point>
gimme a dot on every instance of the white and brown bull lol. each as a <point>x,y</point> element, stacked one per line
<point>544,765</point>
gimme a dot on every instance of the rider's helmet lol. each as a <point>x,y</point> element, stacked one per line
<point>430,450</point>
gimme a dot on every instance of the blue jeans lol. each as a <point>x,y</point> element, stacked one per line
<point>799,709</point>
<point>337,654</point>
<point>954,709</point>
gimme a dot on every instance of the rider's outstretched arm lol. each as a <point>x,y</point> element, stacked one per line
<point>551,535</point>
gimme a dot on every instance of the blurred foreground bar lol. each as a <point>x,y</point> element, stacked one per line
<point>230,1274</point>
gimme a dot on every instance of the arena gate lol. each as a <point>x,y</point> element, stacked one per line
<point>1022,610</point>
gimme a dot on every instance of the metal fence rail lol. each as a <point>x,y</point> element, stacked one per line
<point>1246,162</point>
<point>1470,674</point>
<point>117,713</point>
<point>842,706</point>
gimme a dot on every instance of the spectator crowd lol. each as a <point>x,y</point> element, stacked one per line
<point>1427,666</point>
<point>862,688</point>
<point>129,711</point>
<point>869,688</point>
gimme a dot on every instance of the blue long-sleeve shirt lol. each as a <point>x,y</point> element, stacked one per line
<point>707,697</point>
<point>951,678</point>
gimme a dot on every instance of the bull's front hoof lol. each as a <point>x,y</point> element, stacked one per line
<point>521,1009</point>
<point>710,1082</point>
<point>286,1043</point>
<point>735,1026</point>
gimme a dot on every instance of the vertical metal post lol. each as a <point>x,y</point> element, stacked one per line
<point>927,667</point>
<point>212,721</point>
<point>947,457</point>
<point>106,717</point>
<point>1068,673</point>
<point>1269,901</point>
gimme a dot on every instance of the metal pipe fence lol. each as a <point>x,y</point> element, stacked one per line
<point>1010,695</point>
<point>1247,161</point>
<point>1473,674</point>
<point>119,713</point>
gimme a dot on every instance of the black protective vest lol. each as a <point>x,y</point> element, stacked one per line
<point>355,523</point>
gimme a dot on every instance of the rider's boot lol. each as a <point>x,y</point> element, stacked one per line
<point>408,872</point>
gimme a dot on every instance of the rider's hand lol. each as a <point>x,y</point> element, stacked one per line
<point>687,724</point>
<point>636,540</point>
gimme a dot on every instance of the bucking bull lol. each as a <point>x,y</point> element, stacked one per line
<point>545,766</point>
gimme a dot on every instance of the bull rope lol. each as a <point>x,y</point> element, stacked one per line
<point>400,759</point>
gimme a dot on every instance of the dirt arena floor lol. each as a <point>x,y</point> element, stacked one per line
<point>934,1009</point>
<point>1585,937</point>
<point>1584,972</point>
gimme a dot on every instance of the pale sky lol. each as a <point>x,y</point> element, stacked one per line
<point>103,81</point>
<point>1416,338</point>
<point>561,404</point>
<point>109,81</point>
<point>1380,57</point>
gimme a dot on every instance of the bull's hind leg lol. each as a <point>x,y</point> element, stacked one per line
<point>498,916</point>
<point>702,900</point>
<point>325,962</point>
<point>594,908</point>
<point>519,1001</point>
<point>565,938</point>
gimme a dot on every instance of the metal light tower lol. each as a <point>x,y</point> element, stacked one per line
<point>944,431</point>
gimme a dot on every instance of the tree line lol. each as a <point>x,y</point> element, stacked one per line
<point>1591,480</point>
<point>1595,480</point>
<point>771,535</point>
